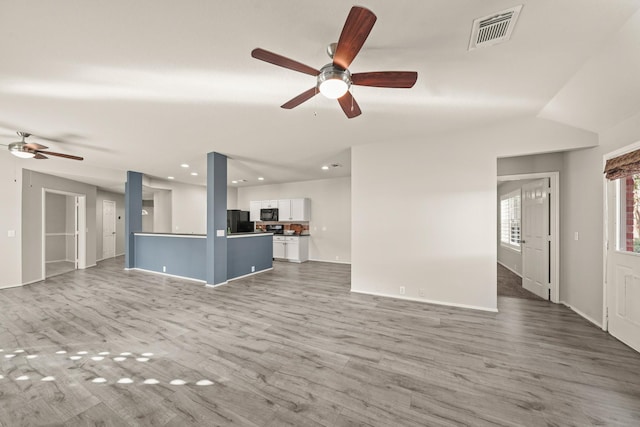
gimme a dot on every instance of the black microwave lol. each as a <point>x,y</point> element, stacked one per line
<point>270,214</point>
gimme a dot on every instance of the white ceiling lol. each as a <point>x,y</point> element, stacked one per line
<point>147,85</point>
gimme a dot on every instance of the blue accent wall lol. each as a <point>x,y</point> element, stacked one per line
<point>132,216</point>
<point>245,252</point>
<point>182,256</point>
<point>216,218</point>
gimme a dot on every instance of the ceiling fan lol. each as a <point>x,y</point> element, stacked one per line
<point>26,150</point>
<point>335,79</point>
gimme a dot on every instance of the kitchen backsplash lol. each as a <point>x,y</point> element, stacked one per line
<point>301,228</point>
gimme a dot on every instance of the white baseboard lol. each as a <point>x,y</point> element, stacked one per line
<point>427,301</point>
<point>10,286</point>
<point>510,269</point>
<point>331,262</point>
<point>580,313</point>
<point>208,285</point>
<point>167,275</point>
<point>247,275</point>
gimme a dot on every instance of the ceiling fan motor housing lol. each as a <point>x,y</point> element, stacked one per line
<point>332,77</point>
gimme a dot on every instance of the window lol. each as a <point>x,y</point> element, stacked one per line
<point>510,220</point>
<point>629,214</point>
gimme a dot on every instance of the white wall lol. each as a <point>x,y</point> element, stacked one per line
<point>10,221</point>
<point>582,189</point>
<point>330,224</point>
<point>162,211</point>
<point>443,190</point>
<point>119,199</point>
<point>232,198</point>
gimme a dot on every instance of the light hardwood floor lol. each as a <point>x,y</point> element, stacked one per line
<point>293,347</point>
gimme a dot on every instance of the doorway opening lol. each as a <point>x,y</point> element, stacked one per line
<point>528,236</point>
<point>63,242</point>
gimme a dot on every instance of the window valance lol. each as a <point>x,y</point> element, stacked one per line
<point>623,166</point>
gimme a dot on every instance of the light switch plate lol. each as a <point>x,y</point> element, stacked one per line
<point>220,233</point>
<point>11,233</point>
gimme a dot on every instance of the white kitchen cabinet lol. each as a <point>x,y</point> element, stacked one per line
<point>294,209</point>
<point>279,247</point>
<point>254,210</point>
<point>288,209</point>
<point>291,248</point>
<point>269,204</point>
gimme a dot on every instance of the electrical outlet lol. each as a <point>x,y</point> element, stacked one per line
<point>164,268</point>
<point>421,292</point>
<point>253,268</point>
<point>401,290</point>
<point>337,257</point>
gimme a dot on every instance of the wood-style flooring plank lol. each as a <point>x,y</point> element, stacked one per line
<point>294,346</point>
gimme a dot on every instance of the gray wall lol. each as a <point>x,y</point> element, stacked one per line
<point>181,256</point>
<point>246,252</point>
<point>32,186</point>
<point>119,199</point>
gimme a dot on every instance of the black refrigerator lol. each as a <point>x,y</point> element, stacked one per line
<point>238,221</point>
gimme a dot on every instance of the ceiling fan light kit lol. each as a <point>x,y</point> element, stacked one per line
<point>18,149</point>
<point>33,150</point>
<point>334,79</point>
<point>333,82</point>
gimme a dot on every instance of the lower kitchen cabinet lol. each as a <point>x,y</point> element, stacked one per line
<point>291,248</point>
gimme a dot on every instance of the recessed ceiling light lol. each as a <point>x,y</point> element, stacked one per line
<point>194,173</point>
<point>234,182</point>
<point>170,177</point>
<point>184,165</point>
<point>325,168</point>
<point>260,178</point>
<point>242,180</point>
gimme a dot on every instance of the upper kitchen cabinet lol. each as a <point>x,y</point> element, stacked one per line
<point>294,209</point>
<point>254,210</point>
<point>288,209</point>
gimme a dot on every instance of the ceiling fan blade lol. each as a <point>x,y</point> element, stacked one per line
<point>354,33</point>
<point>349,105</point>
<point>304,96</point>
<point>395,79</point>
<point>39,156</point>
<point>281,61</point>
<point>66,156</point>
<point>35,146</point>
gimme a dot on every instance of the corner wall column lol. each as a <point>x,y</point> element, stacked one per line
<point>133,215</point>
<point>216,219</point>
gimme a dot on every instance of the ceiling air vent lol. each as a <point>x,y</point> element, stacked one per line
<point>493,29</point>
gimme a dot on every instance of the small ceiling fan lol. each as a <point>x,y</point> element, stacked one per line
<point>26,150</point>
<point>335,79</point>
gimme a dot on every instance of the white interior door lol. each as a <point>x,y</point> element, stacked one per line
<point>535,237</point>
<point>108,229</point>
<point>622,270</point>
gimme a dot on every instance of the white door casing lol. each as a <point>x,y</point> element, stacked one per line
<point>108,229</point>
<point>622,276</point>
<point>535,237</point>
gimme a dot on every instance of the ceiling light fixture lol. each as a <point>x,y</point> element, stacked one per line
<point>333,81</point>
<point>325,168</point>
<point>234,182</point>
<point>170,177</point>
<point>260,178</point>
<point>194,173</point>
<point>18,149</point>
<point>184,165</point>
